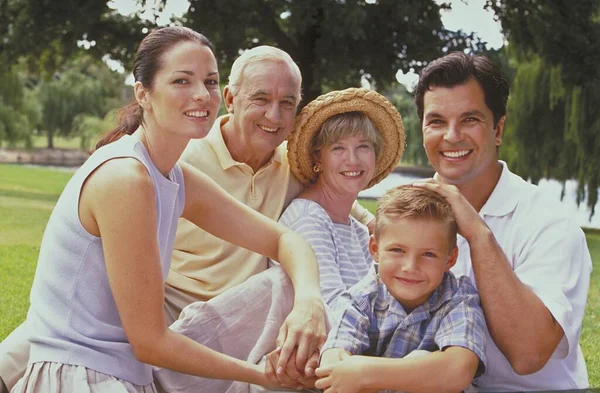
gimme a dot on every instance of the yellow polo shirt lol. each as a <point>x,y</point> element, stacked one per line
<point>204,265</point>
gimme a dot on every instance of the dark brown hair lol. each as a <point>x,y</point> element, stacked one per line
<point>147,62</point>
<point>407,201</point>
<point>458,68</point>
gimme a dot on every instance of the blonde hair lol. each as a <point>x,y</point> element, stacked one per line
<point>407,201</point>
<point>346,124</point>
<point>256,55</point>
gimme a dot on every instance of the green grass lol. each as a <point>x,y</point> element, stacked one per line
<point>590,335</point>
<point>369,204</point>
<point>27,196</point>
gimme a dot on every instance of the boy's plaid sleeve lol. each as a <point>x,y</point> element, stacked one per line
<point>351,332</point>
<point>463,324</point>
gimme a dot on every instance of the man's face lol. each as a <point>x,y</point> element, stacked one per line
<point>264,107</point>
<point>459,134</point>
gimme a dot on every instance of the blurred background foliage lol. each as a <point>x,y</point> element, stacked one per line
<point>55,81</point>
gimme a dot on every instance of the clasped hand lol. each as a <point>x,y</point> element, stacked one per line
<point>343,375</point>
<point>303,333</point>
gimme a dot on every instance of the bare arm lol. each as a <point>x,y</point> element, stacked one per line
<point>217,212</point>
<point>453,368</point>
<point>518,321</point>
<point>332,356</point>
<point>120,198</point>
<point>363,215</point>
<point>520,324</point>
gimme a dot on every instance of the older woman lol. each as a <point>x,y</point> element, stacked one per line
<point>343,142</point>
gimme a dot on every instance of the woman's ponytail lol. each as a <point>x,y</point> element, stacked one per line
<point>128,120</point>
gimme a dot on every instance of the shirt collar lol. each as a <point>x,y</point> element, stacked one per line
<point>442,294</point>
<point>217,143</point>
<point>505,196</point>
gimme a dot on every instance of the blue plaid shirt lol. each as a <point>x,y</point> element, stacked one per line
<point>373,323</point>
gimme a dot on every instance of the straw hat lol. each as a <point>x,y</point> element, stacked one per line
<point>381,112</point>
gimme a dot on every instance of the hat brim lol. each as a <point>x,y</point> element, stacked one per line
<point>379,110</point>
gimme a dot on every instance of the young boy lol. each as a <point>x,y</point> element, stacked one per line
<point>409,302</point>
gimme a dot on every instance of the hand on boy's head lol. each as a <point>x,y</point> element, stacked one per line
<point>469,223</point>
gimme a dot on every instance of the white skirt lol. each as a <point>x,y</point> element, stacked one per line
<point>50,377</point>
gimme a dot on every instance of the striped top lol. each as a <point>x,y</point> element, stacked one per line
<point>342,251</point>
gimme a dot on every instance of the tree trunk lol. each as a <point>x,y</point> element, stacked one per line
<point>50,135</point>
<point>307,59</point>
<point>310,89</point>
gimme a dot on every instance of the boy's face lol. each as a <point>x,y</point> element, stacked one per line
<point>413,255</point>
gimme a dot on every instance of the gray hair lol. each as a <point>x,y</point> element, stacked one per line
<point>343,125</point>
<point>258,54</point>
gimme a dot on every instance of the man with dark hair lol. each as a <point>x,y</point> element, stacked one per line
<point>528,259</point>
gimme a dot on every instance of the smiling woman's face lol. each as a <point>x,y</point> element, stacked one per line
<point>185,96</point>
<point>347,165</point>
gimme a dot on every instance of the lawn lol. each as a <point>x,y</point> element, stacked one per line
<point>27,196</point>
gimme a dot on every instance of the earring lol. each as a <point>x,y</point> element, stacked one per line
<point>317,168</point>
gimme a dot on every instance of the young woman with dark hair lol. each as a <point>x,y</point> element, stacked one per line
<point>96,316</point>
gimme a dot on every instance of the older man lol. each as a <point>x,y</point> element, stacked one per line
<point>529,261</point>
<point>244,153</point>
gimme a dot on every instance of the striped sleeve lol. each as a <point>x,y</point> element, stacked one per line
<point>316,231</point>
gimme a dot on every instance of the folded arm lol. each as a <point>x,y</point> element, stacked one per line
<point>453,368</point>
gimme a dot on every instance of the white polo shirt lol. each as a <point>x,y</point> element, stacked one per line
<point>548,252</point>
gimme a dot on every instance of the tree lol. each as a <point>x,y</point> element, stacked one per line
<point>90,128</point>
<point>553,128</point>
<point>19,111</point>
<point>48,33</point>
<point>405,103</point>
<point>84,87</point>
<point>334,42</point>
<point>560,32</point>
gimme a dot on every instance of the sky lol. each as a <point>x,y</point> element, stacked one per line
<point>467,15</point>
